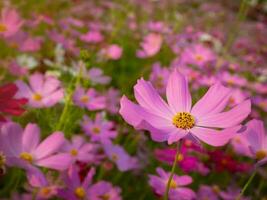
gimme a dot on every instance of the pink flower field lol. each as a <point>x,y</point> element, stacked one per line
<point>133,100</point>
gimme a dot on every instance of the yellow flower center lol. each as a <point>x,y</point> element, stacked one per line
<point>96,130</point>
<point>173,184</point>
<point>199,57</point>
<point>79,192</point>
<point>114,157</point>
<point>84,99</point>
<point>183,120</point>
<point>180,157</point>
<point>73,152</point>
<point>37,97</point>
<point>45,191</point>
<point>261,154</point>
<point>26,156</point>
<point>2,159</point>
<point>3,28</point>
<point>104,197</point>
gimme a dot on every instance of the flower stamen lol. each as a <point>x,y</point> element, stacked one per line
<point>183,120</point>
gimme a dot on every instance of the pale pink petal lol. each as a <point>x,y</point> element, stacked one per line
<point>255,134</point>
<point>53,98</point>
<point>50,85</point>
<point>31,137</point>
<point>226,119</point>
<point>214,101</point>
<point>36,82</point>
<point>50,145</point>
<point>184,180</point>
<point>178,94</point>
<point>23,90</point>
<point>11,139</point>
<point>147,97</point>
<point>60,161</point>
<point>176,135</point>
<point>214,137</point>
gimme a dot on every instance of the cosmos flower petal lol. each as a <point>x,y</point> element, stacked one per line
<point>147,97</point>
<point>135,115</point>
<point>50,145</point>
<point>176,135</point>
<point>184,180</point>
<point>255,134</point>
<point>178,95</point>
<point>214,101</point>
<point>214,137</point>
<point>36,82</point>
<point>31,137</point>
<point>11,139</point>
<point>226,119</point>
<point>58,162</point>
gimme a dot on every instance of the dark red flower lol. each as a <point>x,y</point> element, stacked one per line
<point>8,104</point>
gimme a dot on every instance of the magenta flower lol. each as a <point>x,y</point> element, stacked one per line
<point>99,130</point>
<point>257,139</point>
<point>88,99</point>
<point>82,151</point>
<point>186,162</point>
<point>122,159</point>
<point>75,188</point>
<point>175,120</point>
<point>150,45</point>
<point>178,191</point>
<point>197,55</point>
<point>22,148</point>
<point>42,91</point>
<point>10,22</point>
<point>104,190</point>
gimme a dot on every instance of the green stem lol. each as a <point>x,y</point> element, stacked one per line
<point>68,101</point>
<point>242,12</point>
<point>172,173</point>
<point>246,185</point>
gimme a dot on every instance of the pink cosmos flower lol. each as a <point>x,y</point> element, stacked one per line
<point>112,100</point>
<point>178,191</point>
<point>257,139</point>
<point>177,119</point>
<point>88,99</point>
<point>82,151</point>
<point>122,159</point>
<point>104,190</point>
<point>112,52</point>
<point>42,91</point>
<point>75,188</point>
<point>159,77</point>
<point>150,45</point>
<point>22,148</point>
<point>10,22</point>
<point>92,37</point>
<point>232,80</point>
<point>96,76</point>
<point>44,187</point>
<point>240,144</point>
<point>208,193</point>
<point>99,130</point>
<point>197,55</point>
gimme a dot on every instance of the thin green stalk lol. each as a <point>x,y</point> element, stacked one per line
<point>246,185</point>
<point>68,101</point>
<point>242,12</point>
<point>172,173</point>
